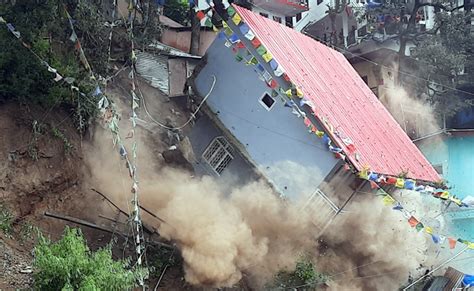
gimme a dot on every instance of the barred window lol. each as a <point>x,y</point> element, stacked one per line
<point>218,154</point>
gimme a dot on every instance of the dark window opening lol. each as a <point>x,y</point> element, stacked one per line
<point>267,101</point>
<point>264,14</point>
<point>365,79</point>
<point>439,169</point>
<point>289,21</point>
<point>298,17</point>
<point>277,19</point>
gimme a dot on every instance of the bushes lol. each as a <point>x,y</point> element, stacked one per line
<point>68,264</point>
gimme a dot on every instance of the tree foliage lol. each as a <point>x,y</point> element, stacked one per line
<point>443,54</point>
<point>177,10</point>
<point>304,277</point>
<point>45,29</point>
<point>68,264</point>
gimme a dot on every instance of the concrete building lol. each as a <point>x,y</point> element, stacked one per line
<point>293,111</point>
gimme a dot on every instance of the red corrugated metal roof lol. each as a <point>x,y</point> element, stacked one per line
<point>343,99</point>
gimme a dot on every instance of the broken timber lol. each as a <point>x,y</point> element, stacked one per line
<point>123,212</point>
<point>98,227</point>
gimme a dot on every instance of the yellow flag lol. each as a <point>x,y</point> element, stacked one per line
<point>400,183</point>
<point>428,230</point>
<point>267,57</point>
<point>388,200</point>
<point>470,245</point>
<point>364,174</point>
<point>224,24</point>
<point>288,93</point>
<point>215,29</point>
<point>299,93</point>
<point>236,19</point>
<point>319,133</point>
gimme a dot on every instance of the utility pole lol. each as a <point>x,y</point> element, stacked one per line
<point>195,28</point>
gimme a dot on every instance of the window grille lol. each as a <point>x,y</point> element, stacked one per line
<point>218,154</point>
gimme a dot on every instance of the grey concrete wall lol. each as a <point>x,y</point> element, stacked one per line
<point>292,159</point>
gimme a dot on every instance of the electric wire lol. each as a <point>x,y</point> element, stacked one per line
<point>193,115</point>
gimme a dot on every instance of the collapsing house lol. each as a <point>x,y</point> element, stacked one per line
<point>293,110</point>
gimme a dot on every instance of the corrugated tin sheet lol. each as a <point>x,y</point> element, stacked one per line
<point>154,68</point>
<point>340,96</point>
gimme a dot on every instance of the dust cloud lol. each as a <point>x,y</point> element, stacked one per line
<point>248,232</point>
<point>415,116</point>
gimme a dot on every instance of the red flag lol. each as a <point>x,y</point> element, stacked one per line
<point>346,167</point>
<point>413,221</point>
<point>452,242</point>
<point>200,15</point>
<point>391,180</point>
<point>256,42</point>
<point>273,84</point>
<point>240,45</point>
<point>373,185</point>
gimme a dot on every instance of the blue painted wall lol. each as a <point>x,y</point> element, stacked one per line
<point>238,172</point>
<point>456,154</point>
<point>293,160</point>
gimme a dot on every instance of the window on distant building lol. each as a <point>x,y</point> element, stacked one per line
<point>289,21</point>
<point>267,101</point>
<point>264,14</point>
<point>366,79</point>
<point>319,2</point>
<point>218,154</point>
<point>277,19</point>
<point>438,168</point>
<point>298,17</point>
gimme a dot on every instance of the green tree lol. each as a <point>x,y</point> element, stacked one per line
<point>68,264</point>
<point>178,10</point>
<point>304,277</point>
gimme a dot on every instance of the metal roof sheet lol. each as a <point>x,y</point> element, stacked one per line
<point>342,98</point>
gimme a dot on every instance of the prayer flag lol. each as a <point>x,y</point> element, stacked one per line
<point>236,18</point>
<point>398,206</point>
<point>452,242</point>
<point>400,183</point>
<point>419,226</point>
<point>267,57</point>
<point>244,28</point>
<point>388,200</point>
<point>58,77</point>
<point>273,64</point>
<point>256,43</point>
<point>435,238</point>
<point>208,22</point>
<point>373,176</point>
<point>307,122</point>
<point>253,61</point>
<point>231,11</point>
<point>444,195</point>
<point>240,45</point>
<point>200,15</point>
<point>319,133</point>
<point>234,38</point>
<point>391,180</point>
<point>299,93</point>
<point>273,84</point>
<point>279,71</point>
<point>373,185</point>
<point>249,35</point>
<point>261,50</point>
<point>228,31</point>
<point>428,230</point>
<point>413,221</point>
<point>409,184</point>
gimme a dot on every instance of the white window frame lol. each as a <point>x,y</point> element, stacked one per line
<point>218,154</point>
<point>263,103</point>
